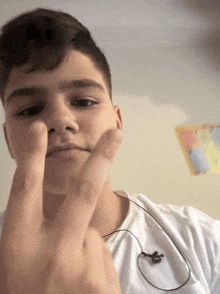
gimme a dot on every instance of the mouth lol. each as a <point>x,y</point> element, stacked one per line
<point>66,147</point>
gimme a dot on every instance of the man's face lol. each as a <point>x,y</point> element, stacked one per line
<point>73,102</point>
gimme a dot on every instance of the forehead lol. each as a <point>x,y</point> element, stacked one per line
<point>75,67</point>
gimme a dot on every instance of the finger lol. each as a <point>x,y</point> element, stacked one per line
<point>109,268</point>
<point>98,260</point>
<point>93,257</point>
<point>84,192</point>
<point>25,200</point>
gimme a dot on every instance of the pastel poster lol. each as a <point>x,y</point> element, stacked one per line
<point>201,147</point>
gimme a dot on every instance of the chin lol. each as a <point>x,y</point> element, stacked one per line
<point>57,176</point>
<point>52,189</point>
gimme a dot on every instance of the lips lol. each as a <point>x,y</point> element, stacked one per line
<point>64,147</point>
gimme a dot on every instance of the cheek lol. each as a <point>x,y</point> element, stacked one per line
<point>100,123</point>
<point>93,127</point>
<point>14,134</point>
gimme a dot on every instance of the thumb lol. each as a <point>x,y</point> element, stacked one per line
<point>84,190</point>
<point>109,144</point>
<point>95,170</point>
<point>98,164</point>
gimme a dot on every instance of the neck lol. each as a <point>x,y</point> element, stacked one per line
<point>109,213</point>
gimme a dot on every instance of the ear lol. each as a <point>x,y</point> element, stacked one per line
<point>118,117</point>
<point>7,140</point>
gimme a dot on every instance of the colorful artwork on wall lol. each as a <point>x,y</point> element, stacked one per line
<point>200,144</point>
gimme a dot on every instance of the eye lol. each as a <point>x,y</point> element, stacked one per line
<point>30,111</point>
<point>84,103</point>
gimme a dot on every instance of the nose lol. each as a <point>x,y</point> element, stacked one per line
<point>61,119</point>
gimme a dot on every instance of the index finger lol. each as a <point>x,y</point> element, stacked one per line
<point>25,199</point>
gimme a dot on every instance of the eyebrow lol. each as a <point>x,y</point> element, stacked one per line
<point>63,85</point>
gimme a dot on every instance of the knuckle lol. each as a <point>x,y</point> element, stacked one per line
<point>84,186</point>
<point>95,283</point>
<point>92,236</point>
<point>107,253</point>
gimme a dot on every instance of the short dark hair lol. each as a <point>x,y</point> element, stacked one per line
<point>41,38</point>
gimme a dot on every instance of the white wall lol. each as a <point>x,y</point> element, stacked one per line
<point>165,67</point>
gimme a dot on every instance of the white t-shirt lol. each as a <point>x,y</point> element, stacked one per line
<point>188,238</point>
<point>191,238</point>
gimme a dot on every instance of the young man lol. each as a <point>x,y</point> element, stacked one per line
<point>64,229</point>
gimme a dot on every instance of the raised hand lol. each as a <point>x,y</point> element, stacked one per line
<point>63,255</point>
